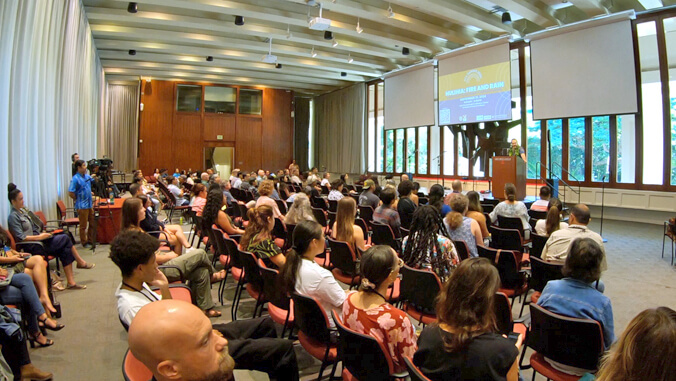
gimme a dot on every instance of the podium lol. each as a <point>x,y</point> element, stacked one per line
<point>509,169</point>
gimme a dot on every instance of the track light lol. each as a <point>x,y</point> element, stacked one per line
<point>390,12</point>
<point>313,53</point>
<point>506,18</point>
<point>359,29</point>
<point>239,20</point>
<point>328,35</point>
<point>210,58</point>
<point>132,7</point>
<point>288,32</point>
<point>335,43</point>
<point>349,58</point>
<point>405,51</point>
<point>278,66</point>
<point>132,52</point>
<point>343,74</point>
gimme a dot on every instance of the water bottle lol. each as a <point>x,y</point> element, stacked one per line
<point>112,198</point>
<point>181,221</point>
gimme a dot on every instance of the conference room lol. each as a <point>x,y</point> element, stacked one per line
<point>266,142</point>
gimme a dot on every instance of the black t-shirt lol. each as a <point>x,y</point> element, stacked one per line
<point>487,357</point>
<point>406,207</point>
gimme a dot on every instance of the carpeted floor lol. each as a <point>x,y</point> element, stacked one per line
<point>93,343</point>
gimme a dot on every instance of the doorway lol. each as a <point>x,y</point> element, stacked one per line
<point>219,159</point>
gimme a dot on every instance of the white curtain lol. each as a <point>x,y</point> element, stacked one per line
<point>50,98</point>
<point>120,139</point>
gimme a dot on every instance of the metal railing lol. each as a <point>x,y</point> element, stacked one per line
<point>549,174</point>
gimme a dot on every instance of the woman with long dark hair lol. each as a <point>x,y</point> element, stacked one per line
<point>257,237</point>
<point>303,275</point>
<point>427,245</point>
<point>476,212</point>
<point>553,221</point>
<point>368,312</point>
<point>213,213</point>
<point>436,199</point>
<point>463,345</point>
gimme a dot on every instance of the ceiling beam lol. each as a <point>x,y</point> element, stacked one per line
<point>533,10</point>
<point>459,13</point>
<point>590,7</point>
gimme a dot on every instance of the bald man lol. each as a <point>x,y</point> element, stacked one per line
<point>456,185</point>
<point>189,351</point>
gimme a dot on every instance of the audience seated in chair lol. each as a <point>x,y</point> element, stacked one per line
<point>25,228</point>
<point>645,350</point>
<point>336,193</point>
<point>258,240</point>
<point>576,295</point>
<point>15,352</point>
<point>303,275</point>
<point>300,210</point>
<point>194,264</point>
<point>476,212</point>
<point>174,233</point>
<point>436,199</point>
<point>406,205</point>
<point>543,203</point>
<point>512,208</point>
<point>265,190</point>
<point>200,198</point>
<point>367,311</point>
<point>385,213</point>
<point>172,185</point>
<point>213,213</point>
<point>460,227</point>
<point>344,228</point>
<point>368,196</point>
<point>553,221</point>
<point>427,245</point>
<point>463,345</point>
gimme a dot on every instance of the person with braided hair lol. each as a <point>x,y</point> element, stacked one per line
<point>257,237</point>
<point>302,275</point>
<point>368,312</point>
<point>213,213</point>
<point>427,246</point>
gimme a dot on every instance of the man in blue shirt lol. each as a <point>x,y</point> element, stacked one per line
<point>80,190</point>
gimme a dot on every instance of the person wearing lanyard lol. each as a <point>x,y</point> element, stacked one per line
<point>80,190</point>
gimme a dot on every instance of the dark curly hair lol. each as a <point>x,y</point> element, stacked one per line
<point>422,239</point>
<point>131,248</point>
<point>211,208</point>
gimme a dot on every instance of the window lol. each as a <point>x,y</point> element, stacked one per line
<point>422,150</point>
<point>448,153</point>
<point>435,154</point>
<point>534,143</point>
<point>556,132</point>
<point>478,169</point>
<point>463,150</point>
<point>220,100</point>
<point>188,98</point>
<point>600,148</point>
<point>399,159</point>
<point>626,149</point>
<point>576,148</point>
<point>410,150</point>
<point>670,40</point>
<point>389,154</point>
<point>250,101</point>
<point>371,140</point>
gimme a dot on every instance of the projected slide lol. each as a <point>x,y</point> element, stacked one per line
<point>477,95</point>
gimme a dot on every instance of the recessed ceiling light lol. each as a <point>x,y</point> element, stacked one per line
<point>132,52</point>
<point>313,53</point>
<point>359,29</point>
<point>390,12</point>
<point>132,7</point>
<point>210,58</point>
<point>239,20</point>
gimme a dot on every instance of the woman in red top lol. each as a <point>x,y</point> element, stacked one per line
<point>367,311</point>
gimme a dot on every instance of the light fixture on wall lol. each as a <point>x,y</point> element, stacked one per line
<point>132,7</point>
<point>313,53</point>
<point>390,12</point>
<point>239,20</point>
<point>359,29</point>
<point>132,52</point>
<point>269,58</point>
<point>506,18</point>
<point>349,58</point>
<point>210,58</point>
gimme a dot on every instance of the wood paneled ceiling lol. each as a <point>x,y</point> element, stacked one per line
<point>172,38</point>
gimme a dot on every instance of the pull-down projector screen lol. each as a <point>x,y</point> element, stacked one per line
<point>409,97</point>
<point>584,69</point>
<point>474,84</point>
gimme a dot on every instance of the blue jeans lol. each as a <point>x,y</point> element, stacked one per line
<point>21,290</point>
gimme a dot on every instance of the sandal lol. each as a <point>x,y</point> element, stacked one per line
<point>219,276</point>
<point>76,286</point>
<point>212,313</point>
<point>33,339</point>
<point>86,266</point>
<point>43,323</point>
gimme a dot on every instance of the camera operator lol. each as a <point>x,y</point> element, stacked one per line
<point>80,190</point>
<point>74,157</point>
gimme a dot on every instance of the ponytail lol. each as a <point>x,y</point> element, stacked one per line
<point>303,234</point>
<point>454,220</point>
<point>553,221</point>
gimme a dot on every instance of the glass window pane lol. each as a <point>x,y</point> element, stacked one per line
<point>399,160</point>
<point>422,150</point>
<point>435,155</point>
<point>188,98</point>
<point>670,35</point>
<point>250,101</point>
<point>371,142</point>
<point>626,149</point>
<point>389,155</point>
<point>576,151</point>
<point>410,150</point>
<point>556,131</point>
<point>534,142</point>
<point>478,170</point>
<point>651,91</point>
<point>379,148</point>
<point>448,154</point>
<point>463,149</point>
<point>220,100</point>
<point>600,148</point>
<point>380,125</point>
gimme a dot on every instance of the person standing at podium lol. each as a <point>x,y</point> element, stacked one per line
<point>517,150</point>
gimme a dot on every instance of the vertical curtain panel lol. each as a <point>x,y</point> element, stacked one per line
<point>120,141</point>
<point>301,131</point>
<point>340,131</point>
<point>50,98</point>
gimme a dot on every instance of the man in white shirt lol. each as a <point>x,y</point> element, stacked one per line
<point>543,202</point>
<point>312,176</point>
<point>325,181</point>
<point>253,343</point>
<point>557,246</point>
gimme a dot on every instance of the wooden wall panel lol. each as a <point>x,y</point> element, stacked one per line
<point>248,143</point>
<point>277,138</point>
<point>187,145</point>
<point>155,129</point>
<point>215,125</point>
